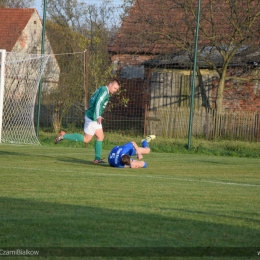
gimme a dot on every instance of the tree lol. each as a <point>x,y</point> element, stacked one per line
<point>16,3</point>
<point>71,86</point>
<point>228,30</point>
<point>66,13</point>
<point>126,7</point>
<point>92,23</point>
<point>75,27</point>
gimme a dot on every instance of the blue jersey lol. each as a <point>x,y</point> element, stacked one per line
<point>114,158</point>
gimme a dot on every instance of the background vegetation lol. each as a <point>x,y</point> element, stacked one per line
<point>165,145</point>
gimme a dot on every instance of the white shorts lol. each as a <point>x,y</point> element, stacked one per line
<point>90,126</point>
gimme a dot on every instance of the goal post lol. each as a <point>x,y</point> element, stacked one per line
<point>20,77</point>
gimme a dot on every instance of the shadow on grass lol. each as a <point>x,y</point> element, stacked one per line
<point>7,153</point>
<point>60,158</point>
<point>80,161</point>
<point>43,224</point>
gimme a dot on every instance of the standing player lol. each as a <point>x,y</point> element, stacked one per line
<point>93,119</point>
<point>120,156</point>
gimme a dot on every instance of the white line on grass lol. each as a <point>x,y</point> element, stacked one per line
<point>140,176</point>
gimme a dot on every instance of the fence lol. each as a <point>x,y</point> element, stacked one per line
<point>207,123</point>
<point>48,113</point>
<point>172,122</point>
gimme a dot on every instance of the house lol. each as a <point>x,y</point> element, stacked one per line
<point>142,52</point>
<point>21,32</point>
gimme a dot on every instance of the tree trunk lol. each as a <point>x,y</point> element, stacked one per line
<point>220,94</point>
<point>219,105</point>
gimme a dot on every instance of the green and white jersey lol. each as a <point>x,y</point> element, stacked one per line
<point>97,103</point>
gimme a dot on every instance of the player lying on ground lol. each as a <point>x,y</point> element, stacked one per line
<point>120,156</point>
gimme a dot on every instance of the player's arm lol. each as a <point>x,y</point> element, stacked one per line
<point>138,150</point>
<point>138,164</point>
<point>101,101</point>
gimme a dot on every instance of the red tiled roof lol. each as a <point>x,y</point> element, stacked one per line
<point>12,23</point>
<point>158,26</point>
<point>140,31</point>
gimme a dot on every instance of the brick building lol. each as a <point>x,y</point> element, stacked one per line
<point>21,32</point>
<point>156,72</point>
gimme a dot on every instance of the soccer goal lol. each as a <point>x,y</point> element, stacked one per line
<point>20,74</point>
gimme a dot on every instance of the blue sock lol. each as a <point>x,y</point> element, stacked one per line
<point>145,144</point>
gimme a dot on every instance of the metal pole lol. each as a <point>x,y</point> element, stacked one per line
<point>194,74</point>
<point>2,85</point>
<point>86,79</point>
<point>42,52</point>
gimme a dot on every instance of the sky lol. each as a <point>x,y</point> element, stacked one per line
<point>38,4</point>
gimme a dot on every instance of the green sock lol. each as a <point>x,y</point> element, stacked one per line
<point>74,137</point>
<point>98,150</point>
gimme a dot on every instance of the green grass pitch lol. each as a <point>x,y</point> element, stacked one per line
<point>55,197</point>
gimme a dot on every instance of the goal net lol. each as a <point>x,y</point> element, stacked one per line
<point>19,80</point>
